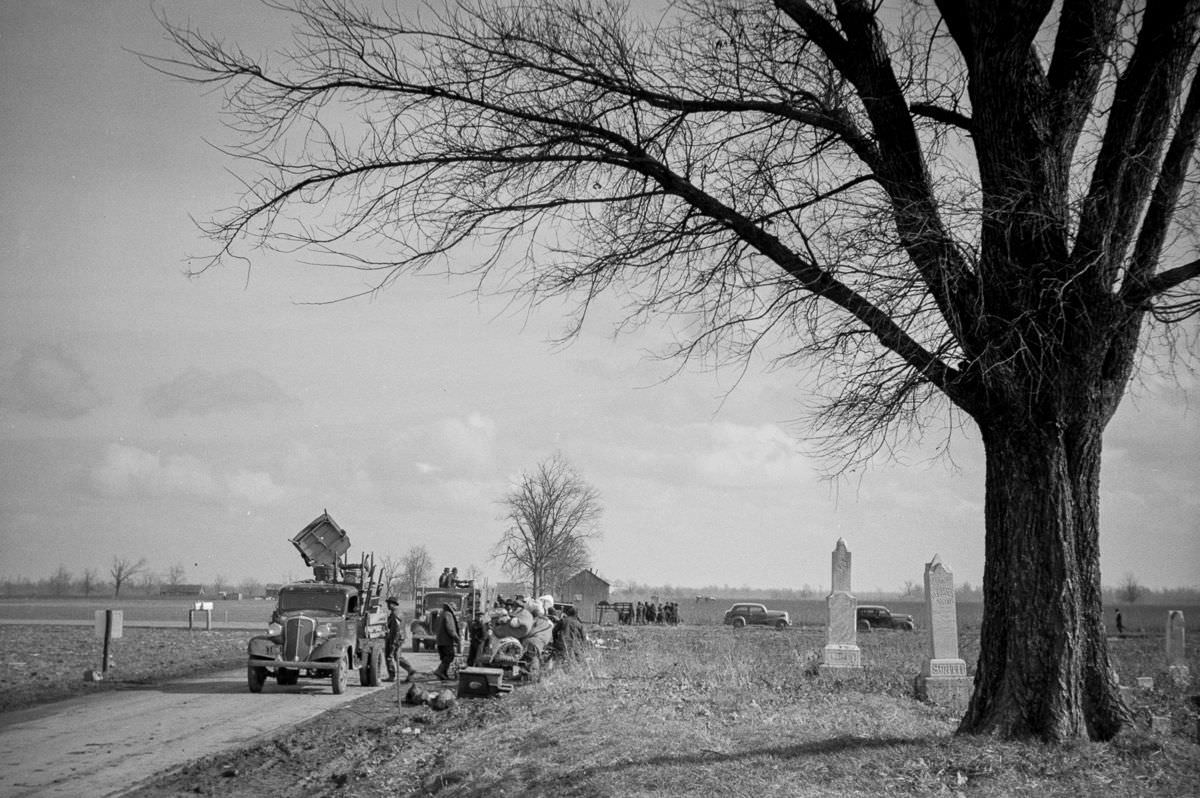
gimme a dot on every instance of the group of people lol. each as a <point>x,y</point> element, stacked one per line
<point>531,629</point>
<point>649,612</point>
<point>449,578</point>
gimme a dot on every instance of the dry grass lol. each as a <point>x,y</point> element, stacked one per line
<point>710,711</point>
<point>705,711</point>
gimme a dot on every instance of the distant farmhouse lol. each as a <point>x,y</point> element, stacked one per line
<point>183,590</point>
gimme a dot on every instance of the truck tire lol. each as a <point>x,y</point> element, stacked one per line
<point>338,677</point>
<point>255,677</point>
<point>287,676</point>
<point>739,622</point>
<point>373,668</point>
<point>781,624</point>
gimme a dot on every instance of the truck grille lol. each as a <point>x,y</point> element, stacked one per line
<point>299,634</point>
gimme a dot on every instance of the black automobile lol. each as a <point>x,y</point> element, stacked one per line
<point>874,616</point>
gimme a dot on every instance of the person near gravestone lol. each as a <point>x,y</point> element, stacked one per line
<point>1120,621</point>
<point>444,579</point>
<point>393,642</point>
<point>447,638</point>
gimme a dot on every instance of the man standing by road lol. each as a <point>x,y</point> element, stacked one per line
<point>477,629</point>
<point>448,639</point>
<point>394,640</point>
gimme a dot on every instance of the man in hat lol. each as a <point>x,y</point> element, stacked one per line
<point>394,640</point>
<point>448,639</point>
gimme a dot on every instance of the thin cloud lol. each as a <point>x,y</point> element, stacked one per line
<point>49,382</point>
<point>197,392</point>
<point>128,471</point>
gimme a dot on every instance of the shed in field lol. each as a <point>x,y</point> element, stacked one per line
<point>585,590</point>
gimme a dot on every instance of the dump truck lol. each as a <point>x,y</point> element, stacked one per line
<point>326,626</point>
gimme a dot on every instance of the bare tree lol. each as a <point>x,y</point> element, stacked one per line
<point>1130,590</point>
<point>60,582</point>
<point>415,569</point>
<point>963,209</point>
<point>552,515</point>
<point>87,582</point>
<point>388,571</point>
<point>122,570</point>
<point>176,574</point>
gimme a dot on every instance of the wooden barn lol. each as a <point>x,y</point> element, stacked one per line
<point>585,590</point>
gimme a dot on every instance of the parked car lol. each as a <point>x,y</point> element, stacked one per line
<point>740,615</point>
<point>874,616</point>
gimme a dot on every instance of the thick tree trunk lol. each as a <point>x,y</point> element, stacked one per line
<point>1043,668</point>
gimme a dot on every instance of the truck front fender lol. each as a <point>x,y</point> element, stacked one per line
<point>264,646</point>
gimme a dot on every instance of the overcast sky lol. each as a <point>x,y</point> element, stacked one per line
<point>205,422</point>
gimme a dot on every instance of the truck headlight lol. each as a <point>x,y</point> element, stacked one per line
<point>274,628</point>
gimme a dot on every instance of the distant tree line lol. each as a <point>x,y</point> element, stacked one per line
<point>122,576</point>
<point>1129,591</point>
<point>127,577</point>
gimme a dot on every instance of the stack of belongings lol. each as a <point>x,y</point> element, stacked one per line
<point>521,631</point>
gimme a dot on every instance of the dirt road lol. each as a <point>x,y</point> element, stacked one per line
<point>107,743</point>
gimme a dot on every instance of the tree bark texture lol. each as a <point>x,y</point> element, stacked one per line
<point>1047,677</point>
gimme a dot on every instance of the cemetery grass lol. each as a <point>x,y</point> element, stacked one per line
<point>706,711</point>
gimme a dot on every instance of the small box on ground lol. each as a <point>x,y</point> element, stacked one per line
<point>481,682</point>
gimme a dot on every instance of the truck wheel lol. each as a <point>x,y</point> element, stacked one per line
<point>255,678</point>
<point>781,625</point>
<point>339,676</point>
<point>864,626</point>
<point>738,623</point>
<point>287,676</point>
<point>373,668</point>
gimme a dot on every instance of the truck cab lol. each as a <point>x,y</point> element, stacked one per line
<point>318,629</point>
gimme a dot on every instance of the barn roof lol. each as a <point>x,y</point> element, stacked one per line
<point>589,573</point>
